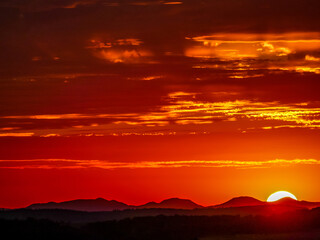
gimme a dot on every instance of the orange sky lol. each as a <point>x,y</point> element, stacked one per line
<point>142,101</point>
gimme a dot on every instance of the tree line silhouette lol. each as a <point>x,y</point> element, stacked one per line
<point>166,227</point>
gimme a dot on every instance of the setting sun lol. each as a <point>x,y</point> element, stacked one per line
<point>279,195</point>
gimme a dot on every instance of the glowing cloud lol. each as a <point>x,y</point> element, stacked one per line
<point>261,46</point>
<point>69,163</point>
<point>185,109</point>
<point>17,134</point>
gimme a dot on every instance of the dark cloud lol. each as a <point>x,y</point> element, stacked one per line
<point>127,57</point>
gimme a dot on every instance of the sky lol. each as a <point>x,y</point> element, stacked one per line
<point>141,101</point>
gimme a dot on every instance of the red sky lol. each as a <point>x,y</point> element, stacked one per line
<point>141,101</point>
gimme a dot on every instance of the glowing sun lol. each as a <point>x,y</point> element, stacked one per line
<point>279,195</point>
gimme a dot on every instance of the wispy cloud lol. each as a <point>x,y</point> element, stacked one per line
<point>251,45</point>
<point>299,114</point>
<point>73,164</point>
<point>16,134</point>
<point>181,109</point>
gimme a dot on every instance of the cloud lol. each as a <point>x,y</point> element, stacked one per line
<point>36,6</point>
<point>228,46</point>
<point>120,50</point>
<point>118,64</point>
<point>82,164</point>
<point>182,112</point>
<point>312,58</point>
<point>16,134</point>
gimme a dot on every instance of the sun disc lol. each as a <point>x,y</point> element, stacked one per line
<point>279,195</point>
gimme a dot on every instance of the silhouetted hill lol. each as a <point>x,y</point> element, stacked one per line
<point>89,205</point>
<point>175,203</point>
<point>240,202</point>
<point>310,205</point>
<point>250,201</point>
<point>294,203</point>
<point>239,205</point>
<point>100,204</point>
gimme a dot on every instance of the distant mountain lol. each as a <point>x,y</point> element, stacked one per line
<point>89,205</point>
<point>91,210</point>
<point>310,205</point>
<point>101,205</point>
<point>289,202</point>
<point>240,202</point>
<point>250,202</point>
<point>175,203</point>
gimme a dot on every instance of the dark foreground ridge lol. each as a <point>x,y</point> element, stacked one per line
<point>296,225</point>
